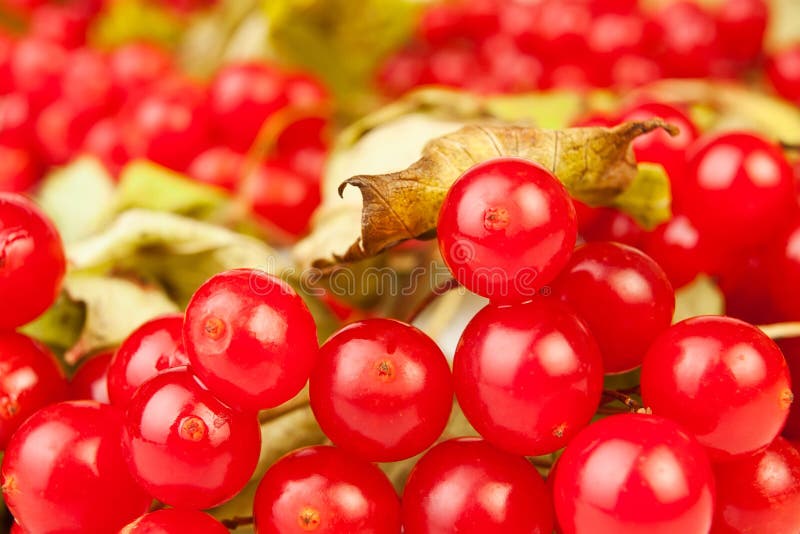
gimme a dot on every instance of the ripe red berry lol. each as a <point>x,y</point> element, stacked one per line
<point>250,338</point>
<point>791,351</point>
<point>30,378</point>
<point>88,82</point>
<point>62,24</point>
<point>759,493</point>
<point>680,249</point>
<point>186,448</point>
<point>634,474</point>
<point>742,25</point>
<point>327,491</point>
<point>527,376</point>
<point>623,296</point>
<point>32,262</point>
<point>282,196</point>
<point>610,224</point>
<point>219,166</point>
<point>61,129</point>
<point>16,118</point>
<point>506,228</point>
<point>19,169</point>
<point>465,485</point>
<point>174,521</point>
<point>749,183</point>
<point>151,349</point>
<point>136,66</point>
<point>745,280</point>
<point>723,380</point>
<point>36,67</point>
<point>381,389</point>
<point>243,96</point>
<point>688,39</point>
<point>64,471</point>
<point>90,381</point>
<point>105,141</point>
<point>782,271</point>
<point>783,71</point>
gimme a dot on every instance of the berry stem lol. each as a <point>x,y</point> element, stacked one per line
<point>610,395</point>
<point>790,146</point>
<point>435,293</point>
<point>235,522</point>
<point>781,330</point>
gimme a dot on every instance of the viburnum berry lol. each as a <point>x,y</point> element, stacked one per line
<point>506,228</point>
<point>154,347</point>
<point>680,249</point>
<point>745,281</point>
<point>90,381</point>
<point>16,119</point>
<point>721,379</point>
<point>790,347</point>
<point>174,521</point>
<point>88,81</point>
<point>633,474</point>
<point>381,389</point>
<point>64,471</point>
<point>742,25</point>
<point>30,378</point>
<point>250,338</point>
<point>759,493</point>
<point>623,296</point>
<point>327,491</point>
<point>106,142</point>
<point>61,129</point>
<point>36,68</point>
<point>782,269</point>
<point>219,166</point>
<point>19,168</point>
<point>783,71</point>
<point>749,183</point>
<point>186,448</point>
<point>32,262</point>
<point>465,485</point>
<point>137,66</point>
<point>527,376</point>
<point>65,25</point>
<point>611,224</point>
<point>688,39</point>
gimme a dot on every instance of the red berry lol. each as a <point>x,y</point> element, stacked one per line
<point>562,28</point>
<point>612,35</point>
<point>6,52</point>
<point>90,381</point>
<point>791,351</point>
<point>304,91</point>
<point>327,491</point>
<point>745,280</point>
<point>634,474</point>
<point>527,376</point>
<point>148,351</point>
<point>105,141</point>
<point>19,170</point>
<point>16,118</point>
<point>723,380</point>
<point>185,447</point>
<point>688,39</point>
<point>175,521</point>
<point>32,261</point>
<point>61,24</point>
<point>747,181</point>
<point>243,96</point>
<point>36,67</point>
<point>631,70</point>
<point>282,196</point>
<point>760,493</point>
<point>219,166</point>
<point>506,228</point>
<point>30,378</point>
<point>783,71</point>
<point>250,338</point>
<point>61,129</point>
<point>742,25</point>
<point>381,389</point>
<point>88,81</point>
<point>136,66</point>
<point>465,485</point>
<point>610,224</point>
<point>680,249</point>
<point>64,471</point>
<point>402,72</point>
<point>624,297</point>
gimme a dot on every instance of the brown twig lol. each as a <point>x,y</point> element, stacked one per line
<point>435,293</point>
<point>781,330</point>
<point>610,395</point>
<point>235,522</point>
<point>790,146</point>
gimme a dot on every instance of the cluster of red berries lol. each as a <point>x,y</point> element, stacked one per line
<point>500,46</point>
<point>60,98</point>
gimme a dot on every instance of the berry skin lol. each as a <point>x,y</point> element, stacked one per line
<point>250,338</point>
<point>154,347</point>
<point>783,270</point>
<point>623,296</point>
<point>19,170</point>
<point>90,381</point>
<point>610,224</point>
<point>186,448</point>
<point>528,376</point>
<point>30,378</point>
<point>749,183</point>
<point>783,71</point>
<point>791,351</point>
<point>688,38</point>
<point>634,474</point>
<point>36,67</point>
<point>75,443</point>
<point>136,66</point>
<point>326,491</point>
<point>219,166</point>
<point>32,262</point>
<point>382,390</point>
<point>742,25</point>
<point>721,379</point>
<point>680,249</point>
<point>760,493</point>
<point>506,228</point>
<point>467,486</point>
<point>174,521</point>
<point>106,142</point>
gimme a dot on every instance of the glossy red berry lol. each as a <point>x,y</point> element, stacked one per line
<point>30,378</point>
<point>174,521</point>
<point>32,262</point>
<point>783,71</point>
<point>611,224</point>
<point>243,96</point>
<point>90,381</point>
<point>506,228</point>
<point>36,66</point>
<point>634,474</point>
<point>61,24</point>
<point>742,25</point>
<point>186,448</point>
<point>250,338</point>
<point>527,376</point>
<point>106,142</point>
<point>467,486</point>
<point>16,120</point>
<point>154,347</point>
<point>282,196</point>
<point>721,379</point>
<point>745,280</point>
<point>381,389</point>
<point>791,351</point>
<point>64,471</point>
<point>326,491</point>
<point>688,39</point>
<point>749,183</point>
<point>219,166</point>
<point>680,249</point>
<point>623,296</point>
<point>61,129</point>
<point>19,168</point>
<point>88,81</point>
<point>759,493</point>
<point>782,271</point>
<point>136,66</point>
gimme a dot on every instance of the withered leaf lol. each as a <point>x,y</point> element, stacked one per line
<point>595,164</point>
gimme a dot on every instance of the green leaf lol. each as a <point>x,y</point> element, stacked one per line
<point>123,21</point>
<point>701,297</point>
<point>647,199</point>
